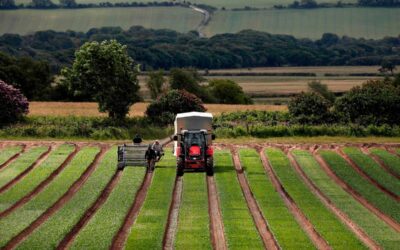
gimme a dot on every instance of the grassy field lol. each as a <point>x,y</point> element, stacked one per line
<point>354,22</point>
<point>392,161</point>
<point>25,21</point>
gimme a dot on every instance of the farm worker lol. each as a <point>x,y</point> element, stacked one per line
<point>157,149</point>
<point>137,139</point>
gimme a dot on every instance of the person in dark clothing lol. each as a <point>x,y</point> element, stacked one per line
<point>137,139</point>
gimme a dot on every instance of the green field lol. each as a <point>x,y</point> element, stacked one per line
<point>25,21</point>
<point>354,22</point>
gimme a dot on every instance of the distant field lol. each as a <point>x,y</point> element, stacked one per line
<point>25,21</point>
<point>354,22</point>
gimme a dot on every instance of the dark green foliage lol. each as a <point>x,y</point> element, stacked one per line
<point>379,3</point>
<point>13,104</point>
<point>155,83</point>
<point>228,92</point>
<point>163,110</point>
<point>68,3</point>
<point>322,89</point>
<point>375,102</point>
<point>43,4</point>
<point>387,66</point>
<point>104,72</point>
<point>7,4</point>
<point>309,108</point>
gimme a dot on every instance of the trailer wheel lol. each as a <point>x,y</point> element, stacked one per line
<point>120,166</point>
<point>210,167</point>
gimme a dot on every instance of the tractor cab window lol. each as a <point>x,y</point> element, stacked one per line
<point>194,139</point>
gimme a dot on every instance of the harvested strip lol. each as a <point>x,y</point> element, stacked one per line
<point>306,158</point>
<point>389,161</point>
<point>23,188</point>
<point>148,230</point>
<point>363,187</point>
<point>21,218</point>
<point>371,171</point>
<point>216,224</point>
<point>316,238</point>
<point>323,220</point>
<point>9,154</point>
<point>262,227</point>
<point>25,162</point>
<point>50,233</point>
<point>172,223</point>
<point>103,226</point>
<point>240,230</point>
<point>377,229</point>
<point>283,225</point>
<point>193,227</point>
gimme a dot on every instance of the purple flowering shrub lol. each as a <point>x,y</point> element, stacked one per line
<point>13,104</point>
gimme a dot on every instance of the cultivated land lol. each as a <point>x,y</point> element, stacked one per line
<point>277,195</point>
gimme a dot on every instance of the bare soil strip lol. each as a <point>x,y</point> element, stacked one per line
<point>14,242</point>
<point>380,162</point>
<point>316,238</point>
<point>329,204</point>
<point>259,220</point>
<point>391,150</point>
<point>13,158</point>
<point>122,235</point>
<point>366,176</point>
<point>214,210</point>
<point>172,223</point>
<point>392,223</point>
<point>69,238</point>
<point>38,161</point>
<point>41,186</point>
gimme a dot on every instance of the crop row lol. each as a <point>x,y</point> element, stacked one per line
<point>8,152</point>
<point>391,161</point>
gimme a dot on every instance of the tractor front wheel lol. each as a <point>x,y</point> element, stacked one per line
<point>210,167</point>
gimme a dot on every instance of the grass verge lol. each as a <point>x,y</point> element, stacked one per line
<point>392,161</point>
<point>8,152</point>
<point>240,230</point>
<point>148,230</point>
<point>100,230</point>
<point>193,223</point>
<point>35,177</point>
<point>330,228</point>
<point>381,201</point>
<point>373,170</point>
<point>282,223</point>
<point>378,230</point>
<point>25,215</point>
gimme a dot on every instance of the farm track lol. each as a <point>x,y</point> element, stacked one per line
<point>16,240</point>
<point>329,204</point>
<point>391,222</point>
<point>307,226</point>
<point>41,186</point>
<point>354,165</point>
<point>123,233</point>
<point>13,158</point>
<point>259,220</point>
<point>380,162</point>
<point>36,163</point>
<point>172,223</point>
<point>68,239</point>
<point>216,223</point>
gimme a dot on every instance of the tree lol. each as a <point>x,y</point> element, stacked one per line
<point>155,83</point>
<point>386,66</point>
<point>229,92</point>
<point>309,108</point>
<point>164,109</point>
<point>322,89</point>
<point>68,3</point>
<point>13,104</point>
<point>43,4</point>
<point>105,72</point>
<point>7,4</point>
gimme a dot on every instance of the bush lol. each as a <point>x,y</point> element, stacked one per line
<point>13,104</point>
<point>164,109</point>
<point>228,92</point>
<point>309,108</point>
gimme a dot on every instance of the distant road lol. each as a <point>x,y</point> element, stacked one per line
<point>204,22</point>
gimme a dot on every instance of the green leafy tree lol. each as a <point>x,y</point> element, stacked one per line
<point>42,3</point>
<point>155,83</point>
<point>309,108</point>
<point>13,104</point>
<point>68,3</point>
<point>229,92</point>
<point>7,4</point>
<point>322,89</point>
<point>387,66</point>
<point>106,73</point>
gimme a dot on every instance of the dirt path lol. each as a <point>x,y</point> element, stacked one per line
<point>37,162</point>
<point>214,210</point>
<point>259,220</point>
<point>380,162</point>
<point>204,22</point>
<point>393,151</point>
<point>392,223</point>
<point>16,240</point>
<point>69,238</point>
<point>123,233</point>
<point>172,223</point>
<point>329,204</point>
<point>316,238</point>
<point>366,176</point>
<point>13,158</point>
<point>41,186</point>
